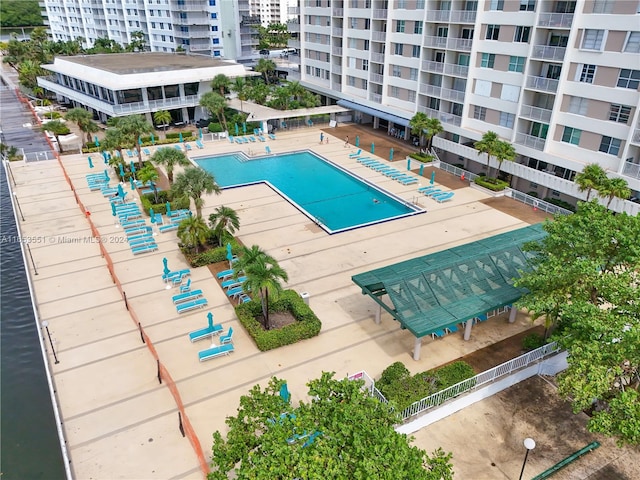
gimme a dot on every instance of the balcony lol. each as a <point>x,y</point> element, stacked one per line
<point>375,97</point>
<point>379,36</point>
<point>186,6</point>
<point>431,90</point>
<point>463,16</point>
<point>437,42</point>
<point>463,44</point>
<point>293,11</point>
<point>453,95</point>
<point>535,113</point>
<point>530,141</point>
<point>542,83</point>
<point>377,57</point>
<point>335,31</point>
<point>548,53</point>
<point>433,67</point>
<point>380,14</point>
<point>555,20</point>
<point>438,15</point>
<point>337,69</point>
<point>293,43</point>
<point>336,50</point>
<point>635,138</point>
<point>631,170</point>
<point>337,12</point>
<point>336,86</point>
<point>293,27</point>
<point>376,78</point>
<point>457,70</point>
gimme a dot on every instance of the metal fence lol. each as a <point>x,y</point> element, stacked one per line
<point>39,156</point>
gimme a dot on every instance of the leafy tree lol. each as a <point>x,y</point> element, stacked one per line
<point>28,73</point>
<point>149,175</point>
<point>192,183</point>
<point>169,157</point>
<point>138,42</point>
<point>592,177</point>
<point>241,89</point>
<point>615,188</point>
<point>585,281</point>
<point>504,151</point>
<point>132,127</point>
<point>341,432</point>
<point>162,117</point>
<point>266,68</point>
<point>274,35</point>
<point>221,83</point>
<point>20,13</point>
<point>105,45</point>
<point>80,117</point>
<point>215,104</point>
<point>57,128</point>
<point>488,144</point>
<point>193,232</point>
<point>89,128</point>
<point>114,141</point>
<point>280,99</point>
<point>418,125</point>
<point>9,152</point>
<point>225,223</point>
<point>258,92</point>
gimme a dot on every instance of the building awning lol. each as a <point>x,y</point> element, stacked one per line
<point>376,113</point>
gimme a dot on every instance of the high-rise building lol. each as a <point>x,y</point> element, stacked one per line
<point>557,79</point>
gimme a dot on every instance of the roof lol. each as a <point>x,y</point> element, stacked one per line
<point>374,112</point>
<point>445,288</point>
<point>145,62</point>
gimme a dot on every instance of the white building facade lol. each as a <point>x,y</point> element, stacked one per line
<point>558,79</point>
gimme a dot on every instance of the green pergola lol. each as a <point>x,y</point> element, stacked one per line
<point>431,293</point>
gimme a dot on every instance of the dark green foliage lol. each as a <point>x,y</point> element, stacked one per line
<point>186,135</point>
<point>20,13</point>
<point>532,341</point>
<point>161,207</point>
<point>307,324</point>
<point>560,203</point>
<point>493,184</point>
<point>213,255</point>
<point>215,127</point>
<point>421,157</point>
<point>452,373</point>
<point>392,373</point>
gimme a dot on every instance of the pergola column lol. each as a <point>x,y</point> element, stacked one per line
<point>416,349</point>
<point>512,314</point>
<point>378,313</point>
<point>467,329</point>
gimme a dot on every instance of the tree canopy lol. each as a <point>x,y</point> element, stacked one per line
<point>585,281</point>
<point>20,13</point>
<point>342,432</point>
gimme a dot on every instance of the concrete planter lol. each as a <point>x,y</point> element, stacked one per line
<point>491,193</point>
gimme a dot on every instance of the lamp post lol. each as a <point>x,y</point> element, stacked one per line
<point>529,444</point>
<point>45,324</point>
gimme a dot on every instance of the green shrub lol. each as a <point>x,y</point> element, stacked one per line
<point>533,193</point>
<point>307,324</point>
<point>164,196</point>
<point>215,128</point>
<point>186,135</point>
<point>421,157</point>
<point>451,374</point>
<point>392,373</point>
<point>52,115</point>
<point>532,341</point>
<point>493,184</point>
<point>560,203</point>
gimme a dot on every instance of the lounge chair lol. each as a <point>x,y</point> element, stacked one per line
<point>199,144</point>
<point>141,242</point>
<point>215,351</point>
<point>480,318</point>
<point>244,298</point>
<point>138,231</point>
<point>134,238</point>
<point>437,334</point>
<point>262,139</point>
<point>225,273</point>
<point>238,140</point>
<point>168,228</point>
<point>130,154</point>
<point>408,180</point>
<point>427,189</point>
<point>237,291</point>
<point>133,224</point>
<point>177,280</point>
<point>272,136</point>
<point>373,164</point>
<point>186,287</point>
<point>195,304</point>
<point>381,168</point>
<point>268,150</point>
<point>234,282</point>
<point>144,249</point>
<point>227,337</point>
<point>392,173</point>
<point>186,297</point>
<point>167,277</point>
<point>444,197</point>
<point>356,154</point>
<point>433,192</point>
<point>365,160</point>
<point>451,329</point>
<point>178,147</point>
<point>231,139</point>
<point>252,138</point>
<point>205,332</point>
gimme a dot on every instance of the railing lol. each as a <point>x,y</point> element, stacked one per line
<point>337,69</point>
<point>453,95</point>
<point>375,97</point>
<point>430,41</point>
<point>547,52</point>
<point>561,20</point>
<point>538,204</point>
<point>377,57</point>
<point>431,66</point>
<point>39,156</point>
<point>463,16</point>
<point>378,36</point>
<point>457,70</point>
<point>336,50</point>
<point>335,31</point>
<point>530,141</point>
<point>631,170</point>
<point>460,44</point>
<point>438,15</point>
<point>536,113</point>
<point>337,12</point>
<point>376,78</point>
<point>635,138</point>
<point>432,90</point>
<point>457,171</point>
<point>380,14</point>
<point>542,83</point>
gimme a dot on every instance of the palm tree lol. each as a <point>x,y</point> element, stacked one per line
<point>149,174</point>
<point>57,128</point>
<point>504,151</point>
<point>114,140</point>
<point>418,125</point>
<point>170,157</point>
<point>162,117</point>
<point>264,275</point>
<point>132,128</point>
<point>296,90</point>
<point>241,88</point>
<point>193,232</point>
<point>433,127</point>
<point>78,116</point>
<point>259,92</point>
<point>265,67</point>
<point>592,177</point>
<point>281,99</point>
<point>192,183</point>
<point>615,188</point>
<point>487,145</point>
<point>215,104</point>
<point>224,222</point>
<point>89,128</point>
<point>28,73</point>
<point>221,83</point>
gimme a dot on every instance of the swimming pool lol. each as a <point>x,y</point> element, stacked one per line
<point>329,195</point>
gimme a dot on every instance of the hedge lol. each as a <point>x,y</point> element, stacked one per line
<point>421,157</point>
<point>213,255</point>
<point>491,183</point>
<point>161,207</point>
<point>215,127</point>
<point>187,134</point>
<point>307,324</point>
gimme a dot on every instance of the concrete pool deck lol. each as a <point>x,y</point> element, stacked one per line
<point>119,422</point>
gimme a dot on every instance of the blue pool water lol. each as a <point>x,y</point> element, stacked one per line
<point>329,195</point>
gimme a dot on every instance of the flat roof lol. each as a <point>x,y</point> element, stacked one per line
<point>145,62</point>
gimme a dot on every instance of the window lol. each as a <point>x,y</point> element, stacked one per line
<point>587,72</point>
<point>214,28</point>
<point>610,145</point>
<point>619,113</point>
<point>400,26</point>
<point>351,81</point>
<point>578,105</point>
<point>463,59</point>
<point>365,65</point>
<point>496,5</point>
<point>633,43</point>
<point>493,32</point>
<point>367,23</point>
<point>527,5</point>
<point>402,4</point>
<point>397,48</point>
<point>396,71</point>
<point>413,74</point>
<point>214,16</point>
<point>510,93</point>
<point>479,113</point>
<point>483,88</point>
<point>417,28</point>
<point>629,78</point>
<point>353,22</point>
<point>507,119</point>
<point>522,34</point>
<point>434,103</point>
<point>571,135</point>
<point>487,60</point>
<point>411,95</point>
<point>602,6</point>
<point>365,46</point>
<point>216,41</point>
<point>516,64</point>
<point>592,39</point>
<point>442,32</point>
<point>415,51</point>
<point>395,92</point>
<point>365,84</point>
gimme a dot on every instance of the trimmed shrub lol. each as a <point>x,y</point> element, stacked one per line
<point>421,157</point>
<point>394,372</point>
<point>215,128</point>
<point>186,135</point>
<point>307,324</point>
<point>164,196</point>
<point>491,183</point>
<point>532,341</point>
<point>533,193</point>
<point>451,374</point>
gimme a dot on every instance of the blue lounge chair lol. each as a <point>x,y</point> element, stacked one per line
<point>234,282</point>
<point>444,197</point>
<point>437,334</point>
<point>408,180</point>
<point>480,318</point>
<point>380,168</point>
<point>178,147</point>
<point>196,304</point>
<point>433,192</point>
<point>146,151</point>
<point>167,277</point>
<point>145,249</point>
<point>268,150</point>
<point>235,292</point>
<point>168,228</point>
<point>374,164</point>
<point>252,138</point>
<point>133,223</point>
<point>199,144</point>
<point>356,154</point>
<point>225,273</point>
<point>130,154</point>
<point>427,189</point>
<point>177,280</point>
<point>392,173</point>
<point>244,298</point>
<point>138,231</point>
<point>186,297</point>
<point>227,337</point>
<point>272,136</point>
<point>365,160</point>
<point>187,146</point>
<point>451,329</point>
<point>134,238</point>
<point>205,332</point>
<point>186,287</point>
<point>231,139</point>
<point>141,242</point>
<point>214,352</point>
<point>262,139</point>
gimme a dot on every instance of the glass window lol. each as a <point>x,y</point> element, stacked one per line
<point>398,48</point>
<point>365,65</point>
<point>610,145</point>
<point>603,6</point>
<point>629,78</point>
<point>493,32</point>
<point>592,39</point>
<point>479,113</point>
<point>413,74</point>
<point>365,46</point>
<point>527,5</point>
<point>395,92</point>
<point>633,43</point>
<point>487,60</point>
<point>171,91</point>
<point>434,103</point>
<point>442,32</point>
<point>522,34</point>
<point>516,64</point>
<point>619,113</point>
<point>396,71</point>
<point>191,88</point>
<point>578,105</point>
<point>417,28</point>
<point>400,26</point>
<point>411,96</point>
<point>587,72</point>
<point>507,119</point>
<point>354,22</point>
<point>415,51</point>
<point>571,135</point>
<point>496,5</point>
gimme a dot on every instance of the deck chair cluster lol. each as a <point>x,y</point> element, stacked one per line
<point>139,234</point>
<point>388,171</point>
<point>233,286</point>
<point>187,298</point>
<point>436,193</point>
<point>173,220</point>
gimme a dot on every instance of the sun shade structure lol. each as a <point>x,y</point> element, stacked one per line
<point>437,291</point>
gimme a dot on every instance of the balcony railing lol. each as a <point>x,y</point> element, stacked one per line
<point>557,20</point>
<point>453,95</point>
<point>438,42</point>
<point>548,53</point>
<point>431,90</point>
<point>463,16</point>
<point>635,138</point>
<point>375,97</point>
<point>379,36</point>
<point>336,50</point>
<point>536,143</point>
<point>293,27</point>
<point>187,5</point>
<point>457,70</point>
<point>434,67</point>
<point>376,78</point>
<point>380,14</point>
<point>438,15</point>
<point>377,57</point>
<point>631,170</point>
<point>542,83</point>
<point>336,32</point>
<point>293,10</point>
<point>460,44</point>
<point>337,12</point>
<point>337,69</point>
<point>536,113</point>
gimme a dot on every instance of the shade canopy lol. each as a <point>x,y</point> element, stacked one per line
<point>432,292</point>
<point>374,113</point>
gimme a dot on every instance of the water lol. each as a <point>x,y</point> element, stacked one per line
<point>30,446</point>
<point>330,196</point>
